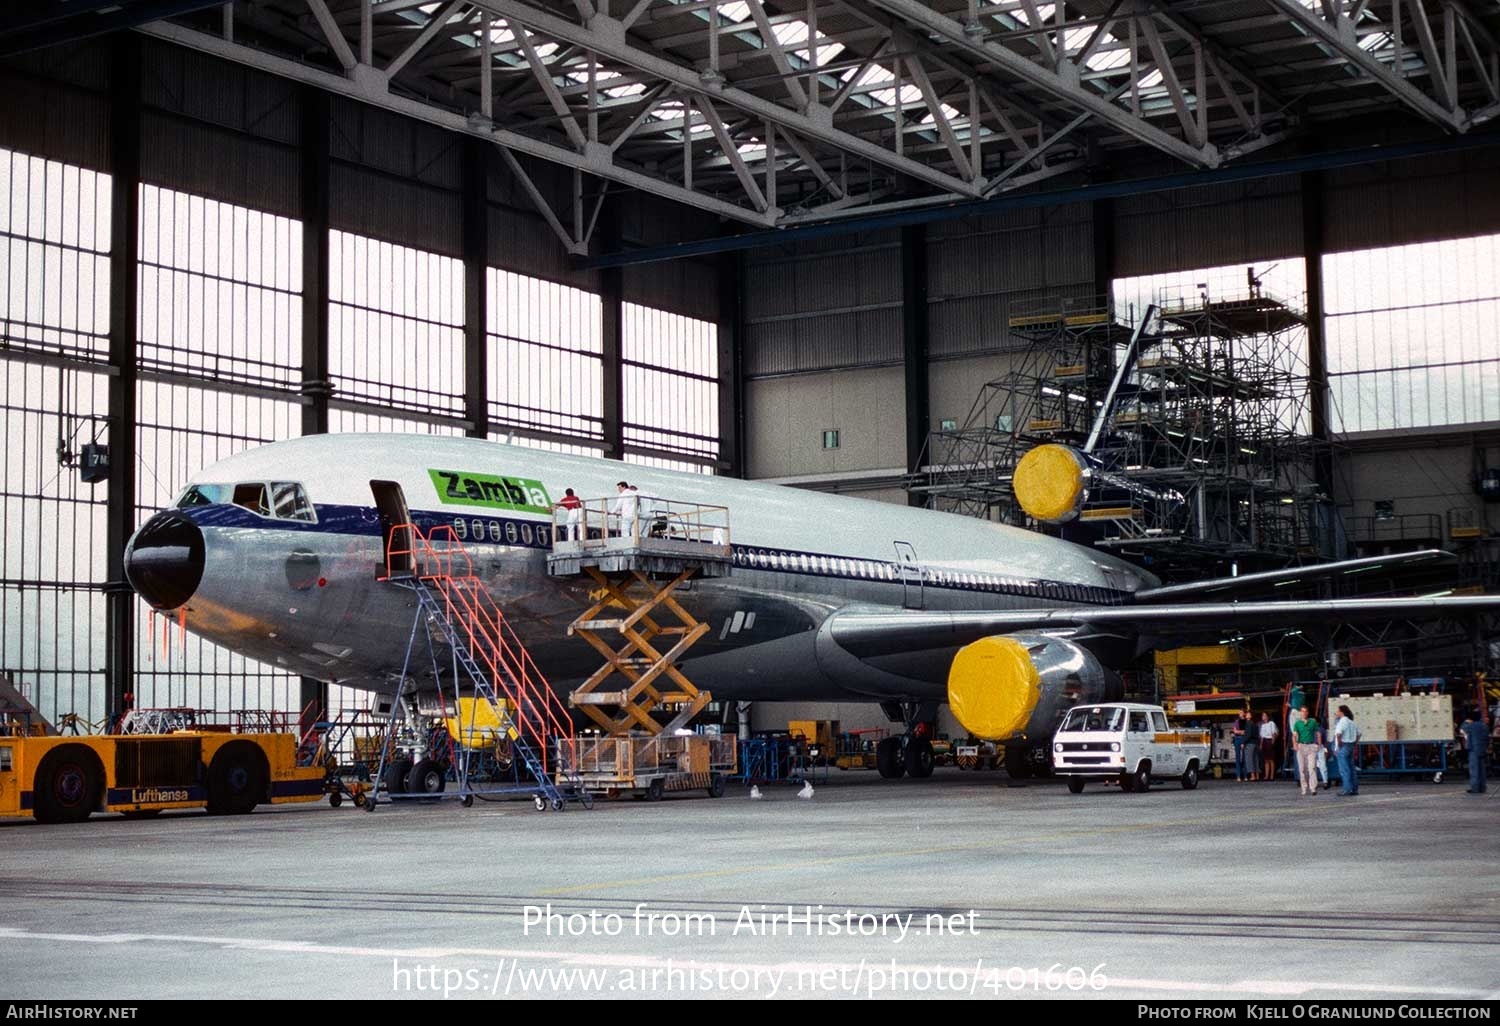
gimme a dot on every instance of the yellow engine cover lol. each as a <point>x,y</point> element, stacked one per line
<point>993,688</point>
<point>1049,483</point>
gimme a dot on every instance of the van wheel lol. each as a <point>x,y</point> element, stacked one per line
<point>1190,777</point>
<point>1143,777</point>
<point>1075,785</point>
<point>1127,782</point>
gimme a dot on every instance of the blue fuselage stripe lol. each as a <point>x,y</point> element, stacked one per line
<point>519,532</point>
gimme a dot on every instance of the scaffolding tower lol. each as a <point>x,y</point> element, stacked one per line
<point>1206,442</point>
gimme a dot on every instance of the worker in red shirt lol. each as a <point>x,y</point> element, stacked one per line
<point>574,506</point>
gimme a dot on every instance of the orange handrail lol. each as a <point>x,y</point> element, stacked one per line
<point>438,558</point>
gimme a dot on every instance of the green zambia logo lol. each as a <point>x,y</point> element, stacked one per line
<point>464,489</point>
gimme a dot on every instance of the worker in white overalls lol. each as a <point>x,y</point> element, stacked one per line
<point>627,507</point>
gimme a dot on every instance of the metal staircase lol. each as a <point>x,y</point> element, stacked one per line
<point>453,603</point>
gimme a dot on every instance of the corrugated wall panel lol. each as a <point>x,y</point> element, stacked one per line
<point>193,157</point>
<point>863,338</point>
<point>205,88</point>
<point>1208,227</point>
<point>55,121</point>
<point>386,208</point>
<point>525,244</point>
<point>392,143</point>
<point>1419,200</point>
<point>982,269</point>
<point>687,287</point>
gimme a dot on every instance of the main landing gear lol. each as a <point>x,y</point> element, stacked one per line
<point>909,754</point>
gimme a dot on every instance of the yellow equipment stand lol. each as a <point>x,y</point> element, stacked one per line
<point>646,668</point>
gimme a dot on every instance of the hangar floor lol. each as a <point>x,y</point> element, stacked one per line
<point>1229,891</point>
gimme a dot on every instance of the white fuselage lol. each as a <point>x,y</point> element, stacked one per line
<point>305,595</point>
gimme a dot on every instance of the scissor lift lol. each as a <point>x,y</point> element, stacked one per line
<point>638,564</point>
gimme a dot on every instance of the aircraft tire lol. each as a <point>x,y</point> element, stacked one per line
<point>426,777</point>
<point>888,761</point>
<point>395,776</point>
<point>1018,763</point>
<point>918,758</point>
<point>1075,785</point>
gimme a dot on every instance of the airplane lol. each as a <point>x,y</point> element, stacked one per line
<point>273,553</point>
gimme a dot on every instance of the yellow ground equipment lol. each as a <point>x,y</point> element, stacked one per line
<point>65,779</point>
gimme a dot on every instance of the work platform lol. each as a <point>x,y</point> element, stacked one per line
<point>638,552</point>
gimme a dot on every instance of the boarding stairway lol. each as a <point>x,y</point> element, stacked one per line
<point>454,602</point>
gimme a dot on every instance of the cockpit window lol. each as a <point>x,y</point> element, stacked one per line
<point>291,502</point>
<point>253,497</point>
<point>203,495</point>
<point>284,500</point>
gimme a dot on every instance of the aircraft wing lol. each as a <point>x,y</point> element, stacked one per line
<point>1347,572</point>
<point>869,634</point>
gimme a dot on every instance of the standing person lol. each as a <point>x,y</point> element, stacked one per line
<point>1477,739</point>
<point>1295,702</point>
<point>1322,756</point>
<point>626,506</point>
<point>574,506</point>
<point>1241,733</point>
<point>1345,737</point>
<point>1305,732</point>
<point>1268,734</point>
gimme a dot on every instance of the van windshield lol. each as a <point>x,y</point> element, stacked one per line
<point>1108,719</point>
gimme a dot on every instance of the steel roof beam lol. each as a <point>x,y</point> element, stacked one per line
<point>1339,35</point>
<point>1063,85</point>
<point>606,37</point>
<point>372,90</point>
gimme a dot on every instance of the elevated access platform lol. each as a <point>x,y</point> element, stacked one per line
<point>639,551</point>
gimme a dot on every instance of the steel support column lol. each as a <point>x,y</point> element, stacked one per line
<point>612,293</point>
<point>316,386</point>
<point>731,270</point>
<point>1312,185</point>
<point>914,347</point>
<point>125,176</point>
<point>1103,211</point>
<point>476,248</point>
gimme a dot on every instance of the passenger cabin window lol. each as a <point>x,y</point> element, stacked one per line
<point>292,502</point>
<point>252,496</point>
<point>1159,721</point>
<point>1138,723</point>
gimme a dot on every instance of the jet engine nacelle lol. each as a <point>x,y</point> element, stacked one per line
<point>1013,685</point>
<point>1051,483</point>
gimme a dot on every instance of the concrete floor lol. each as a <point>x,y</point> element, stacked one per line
<point>1230,891</point>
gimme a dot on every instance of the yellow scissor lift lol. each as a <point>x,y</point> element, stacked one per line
<point>638,552</point>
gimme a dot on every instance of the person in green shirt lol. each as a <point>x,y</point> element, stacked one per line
<point>1305,733</point>
<point>1295,700</point>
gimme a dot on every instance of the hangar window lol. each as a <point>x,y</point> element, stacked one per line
<point>1410,334</point>
<point>291,502</point>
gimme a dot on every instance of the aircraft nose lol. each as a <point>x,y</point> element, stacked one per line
<point>164,563</point>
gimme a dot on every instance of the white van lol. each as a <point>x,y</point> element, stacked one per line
<point>1126,742</point>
